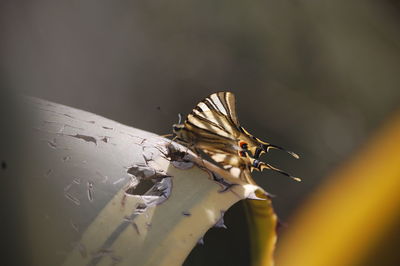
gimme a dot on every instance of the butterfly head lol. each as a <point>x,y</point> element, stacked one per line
<point>177,129</point>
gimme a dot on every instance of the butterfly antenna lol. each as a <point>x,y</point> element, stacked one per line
<point>262,165</point>
<point>271,146</point>
<point>179,118</point>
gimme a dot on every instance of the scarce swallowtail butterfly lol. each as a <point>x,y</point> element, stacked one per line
<point>213,128</point>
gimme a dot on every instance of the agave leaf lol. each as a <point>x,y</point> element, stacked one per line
<point>97,192</point>
<point>262,222</point>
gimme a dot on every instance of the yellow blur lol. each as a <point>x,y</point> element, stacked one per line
<point>349,216</point>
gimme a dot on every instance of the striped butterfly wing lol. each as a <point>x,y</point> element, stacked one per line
<point>213,124</point>
<point>242,166</point>
<point>238,166</point>
<point>217,114</point>
<point>213,127</point>
<point>219,133</point>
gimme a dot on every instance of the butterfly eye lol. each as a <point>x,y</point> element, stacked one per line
<point>243,145</point>
<point>176,128</point>
<point>242,153</point>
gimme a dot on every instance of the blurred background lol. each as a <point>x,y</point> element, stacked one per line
<point>316,77</point>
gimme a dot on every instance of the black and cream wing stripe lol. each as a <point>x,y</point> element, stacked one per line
<point>225,103</point>
<point>238,166</point>
<point>216,113</point>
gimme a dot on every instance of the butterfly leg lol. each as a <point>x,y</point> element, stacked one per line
<point>167,135</point>
<point>225,184</point>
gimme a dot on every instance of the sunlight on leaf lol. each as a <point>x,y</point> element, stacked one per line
<point>262,222</point>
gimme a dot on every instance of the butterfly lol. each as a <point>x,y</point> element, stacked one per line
<point>213,128</point>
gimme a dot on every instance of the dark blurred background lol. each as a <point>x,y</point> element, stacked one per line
<point>316,77</point>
